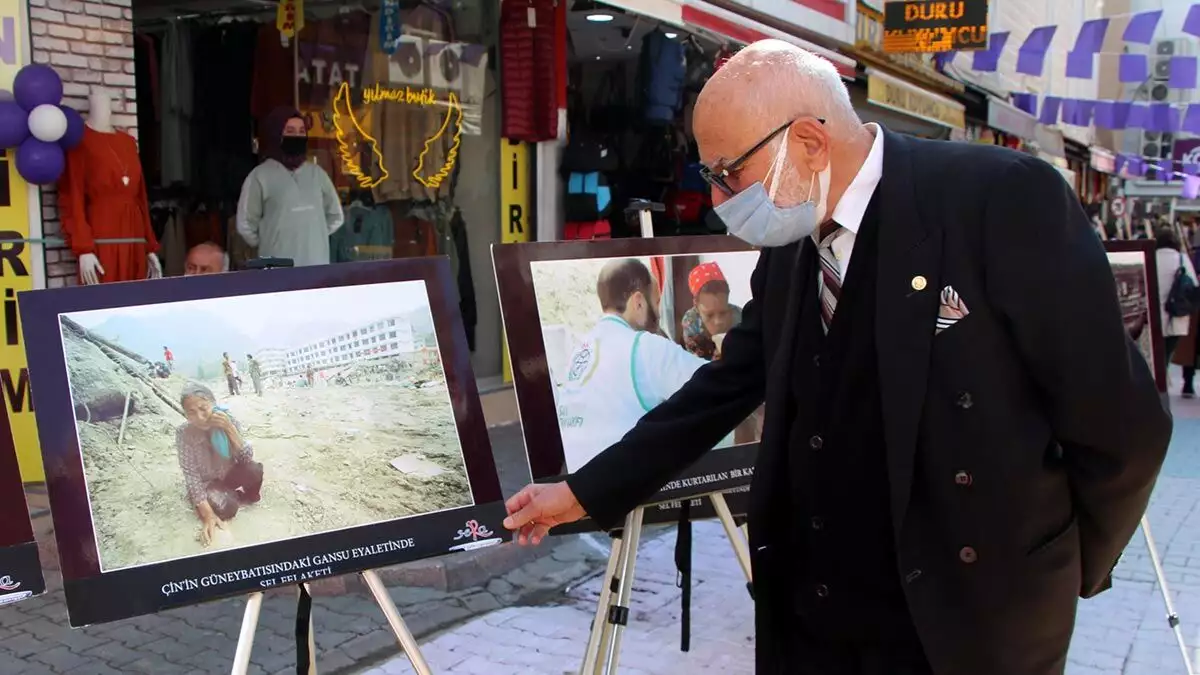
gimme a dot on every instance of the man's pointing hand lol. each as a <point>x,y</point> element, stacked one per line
<point>539,507</point>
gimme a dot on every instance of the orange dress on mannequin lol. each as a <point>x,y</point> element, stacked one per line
<point>102,195</point>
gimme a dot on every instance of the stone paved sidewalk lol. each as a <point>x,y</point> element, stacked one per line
<point>1121,632</point>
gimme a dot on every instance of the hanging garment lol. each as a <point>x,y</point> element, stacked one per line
<point>410,136</point>
<point>174,248</point>
<point>222,134</point>
<point>598,229</point>
<point>289,214</point>
<point>202,226</point>
<point>238,252</point>
<point>466,282</point>
<point>177,104</point>
<point>529,90</point>
<point>146,83</point>
<point>588,197</point>
<point>662,67</point>
<point>366,235</point>
<point>102,195</point>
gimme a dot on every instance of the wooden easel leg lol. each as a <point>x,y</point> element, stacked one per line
<point>245,643</point>
<point>741,547</point>
<point>407,642</point>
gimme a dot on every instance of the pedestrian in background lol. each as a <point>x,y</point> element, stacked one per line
<point>1173,266</point>
<point>1187,352</point>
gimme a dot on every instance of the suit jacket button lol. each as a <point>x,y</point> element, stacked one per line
<point>817,360</point>
<point>817,523</point>
<point>967,555</point>
<point>816,442</point>
<point>912,576</point>
<point>963,478</point>
<point>822,591</point>
<point>963,400</point>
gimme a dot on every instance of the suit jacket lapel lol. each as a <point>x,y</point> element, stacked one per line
<point>906,306</point>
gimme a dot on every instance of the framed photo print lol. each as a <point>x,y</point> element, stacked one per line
<point>215,435</point>
<point>20,566</point>
<point>1135,270</point>
<point>601,332</point>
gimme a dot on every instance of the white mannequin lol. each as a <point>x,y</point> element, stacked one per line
<point>100,119</point>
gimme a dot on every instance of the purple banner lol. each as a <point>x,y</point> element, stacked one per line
<point>986,60</point>
<point>1031,58</point>
<point>1183,72</point>
<point>1142,26</point>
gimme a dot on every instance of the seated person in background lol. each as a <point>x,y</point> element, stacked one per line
<point>206,258</point>
<point>711,314</point>
<point>219,471</point>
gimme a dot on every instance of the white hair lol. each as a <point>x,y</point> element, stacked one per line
<point>801,83</point>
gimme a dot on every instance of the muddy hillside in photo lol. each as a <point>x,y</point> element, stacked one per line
<point>371,441</point>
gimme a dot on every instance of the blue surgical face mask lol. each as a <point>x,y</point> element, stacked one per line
<point>752,215</point>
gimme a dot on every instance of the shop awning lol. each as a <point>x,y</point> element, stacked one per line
<point>893,93</point>
<point>732,26</point>
<point>1005,117</point>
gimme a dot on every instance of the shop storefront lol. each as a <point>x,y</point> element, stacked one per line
<point>396,97</point>
<point>904,92</point>
<point>634,70</point>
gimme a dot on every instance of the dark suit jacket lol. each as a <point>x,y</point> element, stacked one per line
<point>1022,443</point>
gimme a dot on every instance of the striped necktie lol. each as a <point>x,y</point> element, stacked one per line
<point>831,275</point>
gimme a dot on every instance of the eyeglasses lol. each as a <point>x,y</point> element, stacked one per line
<point>716,175</point>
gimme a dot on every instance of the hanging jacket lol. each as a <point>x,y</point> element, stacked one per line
<point>466,283</point>
<point>662,67</point>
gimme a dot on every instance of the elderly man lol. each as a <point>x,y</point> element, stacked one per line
<point>206,258</point>
<point>962,438</point>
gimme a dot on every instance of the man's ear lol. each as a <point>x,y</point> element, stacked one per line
<point>810,138</point>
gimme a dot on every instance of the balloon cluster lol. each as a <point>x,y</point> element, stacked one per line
<point>36,125</point>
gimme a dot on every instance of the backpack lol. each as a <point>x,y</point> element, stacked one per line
<point>1184,298</point>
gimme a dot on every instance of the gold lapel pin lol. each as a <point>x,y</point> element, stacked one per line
<point>919,283</point>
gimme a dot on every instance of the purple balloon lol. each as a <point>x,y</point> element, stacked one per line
<point>39,162</point>
<point>74,134</point>
<point>14,125</point>
<point>37,84</point>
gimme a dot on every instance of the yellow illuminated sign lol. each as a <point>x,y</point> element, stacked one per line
<point>516,223</point>
<point>18,206</point>
<point>346,122</point>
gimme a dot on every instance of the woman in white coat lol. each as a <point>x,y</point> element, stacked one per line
<point>1170,258</point>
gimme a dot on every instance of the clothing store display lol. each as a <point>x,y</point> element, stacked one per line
<point>289,214</point>
<point>176,137</point>
<point>588,197</point>
<point>102,195</point>
<point>146,52</point>
<point>367,234</point>
<point>528,60</point>
<point>405,131</point>
<point>598,229</point>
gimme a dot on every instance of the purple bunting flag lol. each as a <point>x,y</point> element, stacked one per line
<point>1070,110</point>
<point>1025,102</point>
<point>1191,120</point>
<point>1104,115</point>
<point>1191,169</point>
<point>1191,187</point>
<point>986,60</point>
<point>1079,65</point>
<point>1142,26</point>
<point>1121,160</point>
<point>1139,116</point>
<point>1050,106</point>
<point>942,58</point>
<point>1137,167</point>
<point>1164,170</point>
<point>1091,36</point>
<point>1183,72</point>
<point>1031,57</point>
<point>1163,118</point>
<point>1133,68</point>
<point>1084,113</point>
<point>1191,25</point>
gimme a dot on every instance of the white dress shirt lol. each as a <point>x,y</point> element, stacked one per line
<point>853,204</point>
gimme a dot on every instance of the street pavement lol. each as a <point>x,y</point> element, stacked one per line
<point>1121,632</point>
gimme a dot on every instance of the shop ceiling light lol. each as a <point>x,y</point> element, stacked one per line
<point>600,17</point>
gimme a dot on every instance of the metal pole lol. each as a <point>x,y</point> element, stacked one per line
<point>740,548</point>
<point>591,657</point>
<point>1172,617</point>
<point>633,533</point>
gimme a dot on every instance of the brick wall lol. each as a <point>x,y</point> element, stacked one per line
<point>89,44</point>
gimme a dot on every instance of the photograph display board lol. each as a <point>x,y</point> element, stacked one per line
<point>615,328</point>
<point>241,431</point>
<point>1135,269</point>
<point>20,568</point>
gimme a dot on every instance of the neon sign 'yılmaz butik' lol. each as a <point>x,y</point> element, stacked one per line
<point>345,122</point>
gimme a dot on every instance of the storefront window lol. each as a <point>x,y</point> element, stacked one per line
<point>393,101</point>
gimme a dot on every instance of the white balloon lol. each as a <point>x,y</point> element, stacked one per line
<point>47,123</point>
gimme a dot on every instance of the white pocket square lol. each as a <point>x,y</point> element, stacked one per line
<point>952,310</point>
